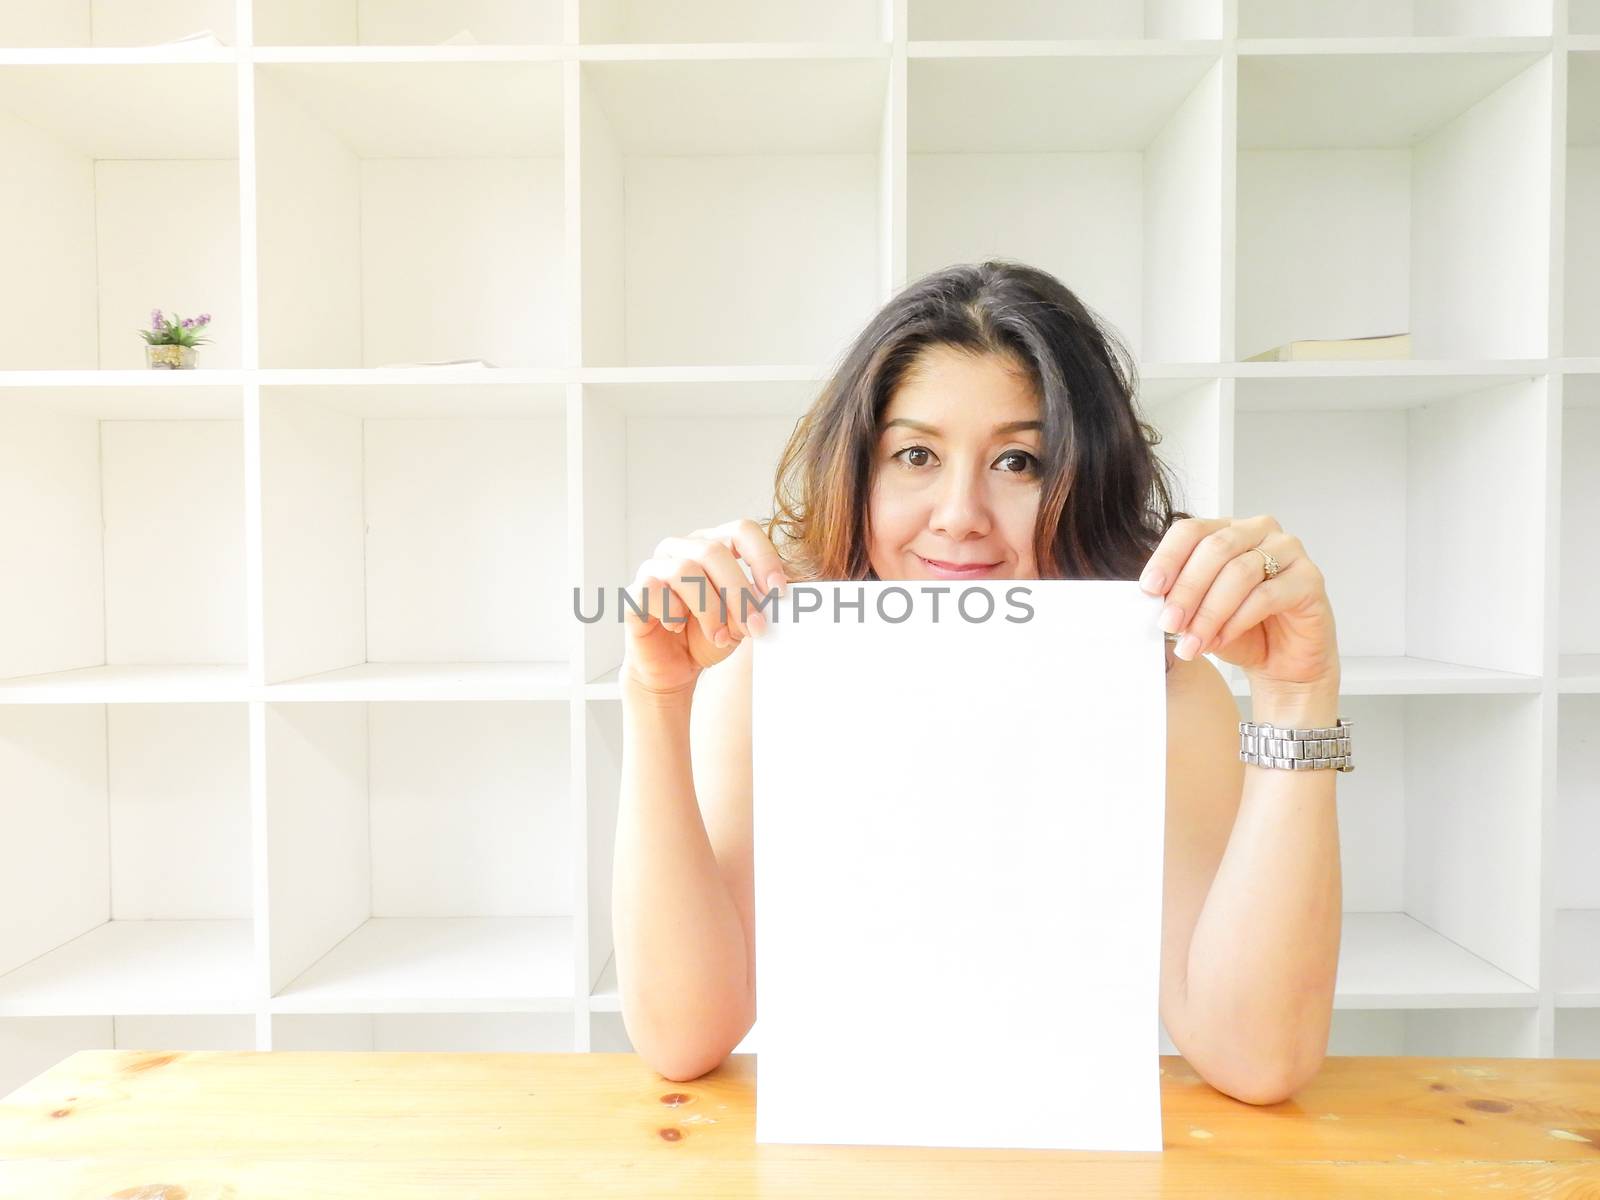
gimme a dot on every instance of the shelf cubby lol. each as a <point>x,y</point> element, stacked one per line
<point>1423,601</point>
<point>111,209</point>
<point>133,546</point>
<point>662,460</point>
<point>1043,20</point>
<point>431,1032</point>
<point>354,158</point>
<point>419,857</point>
<point>1577,936</point>
<point>734,210</point>
<point>406,22</point>
<point>609,1035</point>
<point>1577,1033</point>
<point>1578,643</point>
<point>414,541</point>
<point>80,23</point>
<point>605,996</point>
<point>1394,19</point>
<point>602,784</point>
<point>1128,150</point>
<point>1576,953</point>
<point>1440,855</point>
<point>1447,1033</point>
<point>1583,205</point>
<point>707,21</point>
<point>1186,414</point>
<point>135,871</point>
<point>1362,176</point>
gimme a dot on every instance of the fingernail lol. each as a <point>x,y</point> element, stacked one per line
<point>1171,618</point>
<point>776,582</point>
<point>1187,645</point>
<point>757,622</point>
<point>1152,581</point>
<point>722,637</point>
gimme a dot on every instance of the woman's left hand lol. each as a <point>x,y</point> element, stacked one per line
<point>1280,631</point>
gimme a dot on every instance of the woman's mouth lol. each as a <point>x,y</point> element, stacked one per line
<point>944,570</point>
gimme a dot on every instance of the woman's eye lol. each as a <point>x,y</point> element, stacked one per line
<point>1031,464</point>
<point>912,450</point>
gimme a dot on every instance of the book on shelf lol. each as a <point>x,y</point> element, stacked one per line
<point>203,39</point>
<point>445,362</point>
<point>1382,346</point>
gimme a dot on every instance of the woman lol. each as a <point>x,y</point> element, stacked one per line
<point>982,426</point>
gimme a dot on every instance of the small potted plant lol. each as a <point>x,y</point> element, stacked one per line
<point>170,344</point>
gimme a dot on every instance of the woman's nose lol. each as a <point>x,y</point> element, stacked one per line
<point>961,508</point>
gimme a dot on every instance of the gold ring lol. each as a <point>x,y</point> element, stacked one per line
<point>1270,565</point>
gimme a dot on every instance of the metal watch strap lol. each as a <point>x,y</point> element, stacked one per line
<point>1323,747</point>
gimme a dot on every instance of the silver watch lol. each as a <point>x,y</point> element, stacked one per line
<point>1323,747</point>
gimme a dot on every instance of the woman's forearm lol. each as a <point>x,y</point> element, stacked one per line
<point>681,963</point>
<point>1265,948</point>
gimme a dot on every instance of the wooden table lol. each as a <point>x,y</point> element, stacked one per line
<point>147,1125</point>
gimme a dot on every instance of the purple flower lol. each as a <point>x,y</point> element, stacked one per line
<point>187,322</point>
<point>155,319</point>
<point>205,318</point>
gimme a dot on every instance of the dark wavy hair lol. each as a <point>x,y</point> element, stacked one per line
<point>1105,500</point>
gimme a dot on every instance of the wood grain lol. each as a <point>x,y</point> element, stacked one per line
<point>211,1125</point>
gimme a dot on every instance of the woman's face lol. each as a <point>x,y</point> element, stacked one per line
<point>956,472</point>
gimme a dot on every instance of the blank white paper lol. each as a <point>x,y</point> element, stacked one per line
<point>958,859</point>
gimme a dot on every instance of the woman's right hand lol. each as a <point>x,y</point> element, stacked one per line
<point>685,581</point>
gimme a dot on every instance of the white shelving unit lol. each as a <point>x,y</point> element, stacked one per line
<point>300,743</point>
